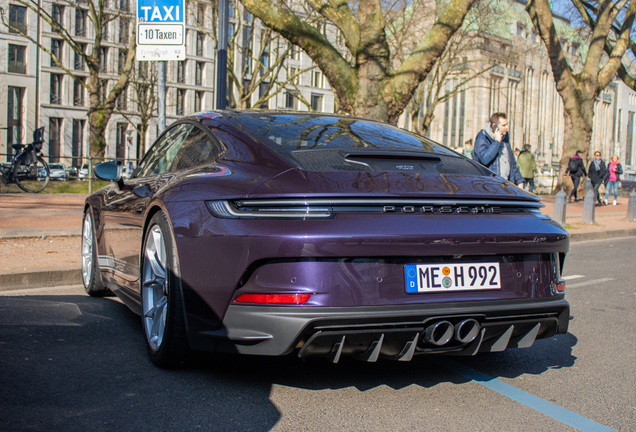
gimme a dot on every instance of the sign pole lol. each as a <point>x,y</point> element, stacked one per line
<point>221,57</point>
<point>161,96</point>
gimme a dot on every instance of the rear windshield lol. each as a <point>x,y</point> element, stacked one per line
<point>285,133</point>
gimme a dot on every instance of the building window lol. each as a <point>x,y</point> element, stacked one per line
<point>56,89</point>
<point>55,134</point>
<point>198,101</point>
<point>17,59</point>
<point>56,50</point>
<point>263,89</point>
<point>180,101</point>
<point>246,88</point>
<point>124,30</point>
<point>290,100</point>
<point>78,92</point>
<point>317,79</point>
<point>57,13</point>
<point>14,118</point>
<point>122,100</point>
<point>230,10</point>
<point>230,33</point>
<point>124,5</point>
<point>316,102</point>
<point>80,62</point>
<point>247,15</point>
<point>78,142</point>
<point>248,44</point>
<point>103,92</point>
<point>198,78</point>
<point>17,19</point>
<point>120,144</point>
<point>121,64</point>
<point>265,60</point>
<point>629,144</point>
<point>181,66</point>
<point>105,28</point>
<point>200,40</point>
<point>80,22</point>
<point>103,59</point>
<point>201,14</point>
<point>292,73</point>
<point>294,52</point>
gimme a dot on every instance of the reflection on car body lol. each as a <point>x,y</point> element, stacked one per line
<point>277,232</point>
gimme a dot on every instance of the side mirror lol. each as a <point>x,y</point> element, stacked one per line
<point>109,171</point>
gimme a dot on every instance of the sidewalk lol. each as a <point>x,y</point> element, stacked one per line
<point>40,235</point>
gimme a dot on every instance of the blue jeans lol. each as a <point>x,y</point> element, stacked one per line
<point>611,185</point>
<point>529,184</point>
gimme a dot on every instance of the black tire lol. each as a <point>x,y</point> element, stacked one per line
<point>91,276</point>
<point>162,314</point>
<point>28,178</point>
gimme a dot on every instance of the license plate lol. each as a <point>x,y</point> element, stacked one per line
<point>422,278</point>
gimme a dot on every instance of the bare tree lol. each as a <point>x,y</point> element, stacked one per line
<point>458,68</point>
<point>101,100</point>
<point>143,83</point>
<point>365,78</point>
<point>579,90</point>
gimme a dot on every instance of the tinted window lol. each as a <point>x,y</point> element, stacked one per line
<point>163,152</point>
<point>197,149</point>
<point>287,132</point>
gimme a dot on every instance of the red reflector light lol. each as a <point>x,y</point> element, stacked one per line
<point>561,287</point>
<point>273,298</point>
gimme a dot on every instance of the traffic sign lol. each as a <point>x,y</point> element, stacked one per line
<point>160,30</point>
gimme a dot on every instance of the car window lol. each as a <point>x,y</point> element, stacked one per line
<point>163,152</point>
<point>285,133</point>
<point>197,149</point>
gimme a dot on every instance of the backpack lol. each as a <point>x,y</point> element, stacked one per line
<point>573,166</point>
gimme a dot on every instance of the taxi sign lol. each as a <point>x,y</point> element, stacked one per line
<point>160,30</point>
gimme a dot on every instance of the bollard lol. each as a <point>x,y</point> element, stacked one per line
<point>588,186</point>
<point>588,207</point>
<point>560,205</point>
<point>631,206</point>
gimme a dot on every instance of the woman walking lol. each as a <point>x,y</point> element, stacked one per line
<point>597,172</point>
<point>615,171</point>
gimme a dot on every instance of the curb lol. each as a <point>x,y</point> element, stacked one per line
<point>50,277</point>
<point>73,276</point>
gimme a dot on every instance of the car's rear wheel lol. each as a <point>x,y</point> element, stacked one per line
<point>90,268</point>
<point>161,305</point>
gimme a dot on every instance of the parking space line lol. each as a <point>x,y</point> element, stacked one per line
<point>572,277</point>
<point>590,282</point>
<point>536,403</point>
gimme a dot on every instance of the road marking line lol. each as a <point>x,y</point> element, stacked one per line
<point>536,403</point>
<point>572,277</point>
<point>590,282</point>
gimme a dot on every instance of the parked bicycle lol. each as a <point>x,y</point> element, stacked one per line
<point>27,169</point>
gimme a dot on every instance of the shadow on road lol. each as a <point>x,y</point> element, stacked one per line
<point>79,363</point>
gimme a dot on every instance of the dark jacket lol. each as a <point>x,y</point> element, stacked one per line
<point>487,152</point>
<point>597,176</point>
<point>580,167</point>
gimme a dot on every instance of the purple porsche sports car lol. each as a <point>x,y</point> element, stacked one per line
<point>275,232</point>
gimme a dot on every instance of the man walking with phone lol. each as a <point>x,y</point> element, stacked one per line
<point>493,150</point>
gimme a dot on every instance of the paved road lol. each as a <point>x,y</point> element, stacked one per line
<point>69,362</point>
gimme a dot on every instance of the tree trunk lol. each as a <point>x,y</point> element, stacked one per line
<point>577,136</point>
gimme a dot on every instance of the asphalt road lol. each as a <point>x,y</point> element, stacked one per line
<point>69,362</point>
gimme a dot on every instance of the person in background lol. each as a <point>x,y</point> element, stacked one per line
<point>597,172</point>
<point>517,152</point>
<point>576,169</point>
<point>493,150</point>
<point>527,167</point>
<point>468,148</point>
<point>615,171</point>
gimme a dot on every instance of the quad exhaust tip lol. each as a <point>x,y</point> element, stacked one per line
<point>441,332</point>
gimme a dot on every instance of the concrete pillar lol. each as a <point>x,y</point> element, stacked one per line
<point>631,206</point>
<point>588,207</point>
<point>560,206</point>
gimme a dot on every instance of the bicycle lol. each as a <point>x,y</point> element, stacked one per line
<point>28,170</point>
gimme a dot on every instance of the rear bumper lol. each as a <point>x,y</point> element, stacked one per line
<point>382,331</point>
